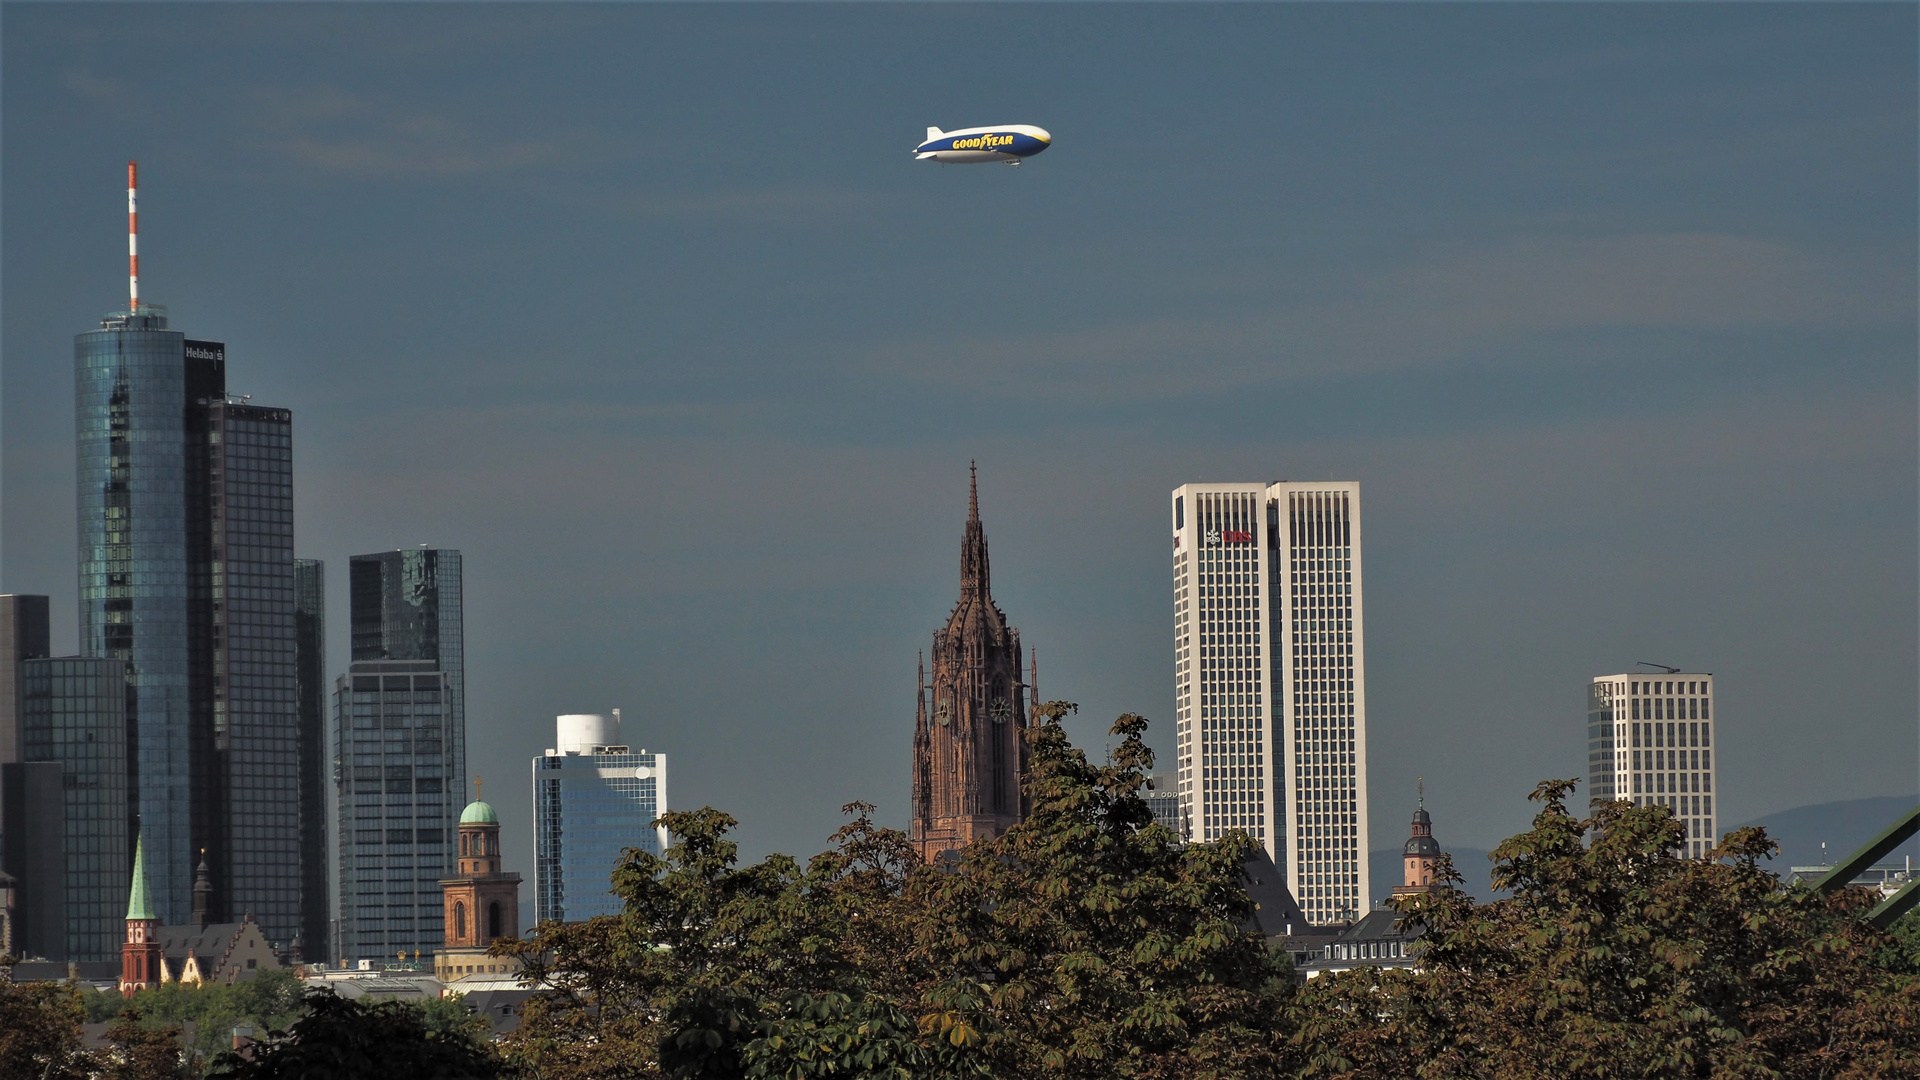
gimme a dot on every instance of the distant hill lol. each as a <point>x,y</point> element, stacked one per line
<point>1843,826</point>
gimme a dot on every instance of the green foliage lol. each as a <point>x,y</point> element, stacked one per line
<point>40,1032</point>
<point>1081,943</point>
<point>139,1052</point>
<point>1105,950</point>
<point>270,999</point>
<point>1615,957</point>
<point>683,980</point>
<point>344,1039</point>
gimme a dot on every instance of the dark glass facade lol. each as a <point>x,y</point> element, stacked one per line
<point>400,751</point>
<point>253,828</point>
<point>75,713</point>
<point>310,695</point>
<point>400,787</point>
<point>23,635</point>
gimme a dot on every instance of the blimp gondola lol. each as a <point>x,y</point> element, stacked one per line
<point>1008,145</point>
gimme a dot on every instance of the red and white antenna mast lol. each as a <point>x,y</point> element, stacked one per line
<point>133,238</point>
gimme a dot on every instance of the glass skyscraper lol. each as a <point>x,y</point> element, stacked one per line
<point>74,711</point>
<point>310,697</point>
<point>253,829</point>
<point>400,751</point>
<point>145,573</point>
<point>593,797</point>
<point>186,573</point>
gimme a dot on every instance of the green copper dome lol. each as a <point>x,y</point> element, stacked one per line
<point>478,813</point>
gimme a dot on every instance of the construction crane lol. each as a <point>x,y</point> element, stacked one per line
<point>1662,667</point>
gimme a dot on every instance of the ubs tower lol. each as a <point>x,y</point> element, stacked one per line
<point>186,573</point>
<point>400,749</point>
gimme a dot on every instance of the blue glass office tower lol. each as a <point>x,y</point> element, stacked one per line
<point>593,797</point>
<point>186,573</point>
<point>400,747</point>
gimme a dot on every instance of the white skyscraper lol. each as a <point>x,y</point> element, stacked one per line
<point>1270,680</point>
<point>1650,740</point>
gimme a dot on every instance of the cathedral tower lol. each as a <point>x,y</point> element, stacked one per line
<point>969,745</point>
<point>1422,854</point>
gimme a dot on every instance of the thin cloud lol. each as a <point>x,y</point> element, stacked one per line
<point>348,133</point>
<point>1454,302</point>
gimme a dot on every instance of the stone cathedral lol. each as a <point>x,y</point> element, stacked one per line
<point>969,744</point>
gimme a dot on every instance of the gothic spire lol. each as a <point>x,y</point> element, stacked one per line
<point>973,549</point>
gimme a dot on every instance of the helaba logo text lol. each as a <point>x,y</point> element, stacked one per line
<point>194,352</point>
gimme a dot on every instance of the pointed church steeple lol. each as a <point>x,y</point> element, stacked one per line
<point>973,547</point>
<point>139,899</point>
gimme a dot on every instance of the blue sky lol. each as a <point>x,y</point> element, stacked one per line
<point>1610,308</point>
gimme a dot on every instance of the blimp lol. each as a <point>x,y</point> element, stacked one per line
<point>1010,144</point>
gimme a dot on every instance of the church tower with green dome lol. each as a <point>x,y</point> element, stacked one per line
<point>481,902</point>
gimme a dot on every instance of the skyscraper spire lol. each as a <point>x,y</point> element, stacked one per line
<point>133,238</point>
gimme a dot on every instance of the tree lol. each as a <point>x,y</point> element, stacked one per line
<point>346,1039</point>
<point>1104,949</point>
<point>40,1032</point>
<point>706,958</point>
<point>1615,957</point>
<point>138,1052</point>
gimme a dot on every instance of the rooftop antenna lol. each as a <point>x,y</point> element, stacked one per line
<point>133,238</point>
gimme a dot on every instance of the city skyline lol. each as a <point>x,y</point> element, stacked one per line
<point>1605,308</point>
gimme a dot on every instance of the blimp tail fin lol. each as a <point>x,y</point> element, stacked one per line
<point>934,133</point>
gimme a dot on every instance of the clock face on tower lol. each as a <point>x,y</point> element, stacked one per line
<point>1001,710</point>
<point>944,713</point>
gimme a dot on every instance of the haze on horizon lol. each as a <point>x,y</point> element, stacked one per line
<point>647,309</point>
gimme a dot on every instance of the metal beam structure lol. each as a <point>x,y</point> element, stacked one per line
<point>1890,909</point>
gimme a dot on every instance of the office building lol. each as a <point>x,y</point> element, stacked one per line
<point>310,702</point>
<point>75,714</point>
<point>969,745</point>
<point>30,825</point>
<point>1270,679</point>
<point>24,634</point>
<point>1650,742</point>
<point>186,573</point>
<point>593,797</point>
<point>399,752</point>
<point>1162,796</point>
<point>33,824</point>
<point>253,827</point>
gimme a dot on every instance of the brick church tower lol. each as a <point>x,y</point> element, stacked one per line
<point>481,902</point>
<point>969,745</point>
<point>1422,853</point>
<point>141,962</point>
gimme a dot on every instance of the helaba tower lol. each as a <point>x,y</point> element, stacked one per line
<point>186,572</point>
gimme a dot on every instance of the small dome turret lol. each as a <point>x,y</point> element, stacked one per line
<point>478,813</point>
